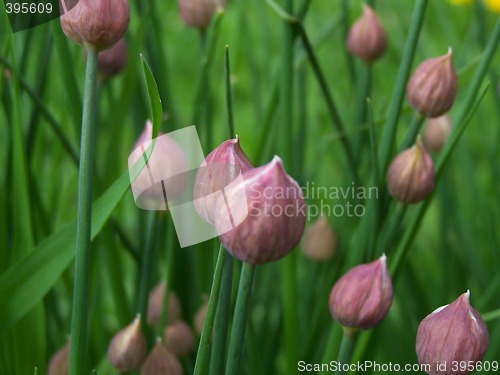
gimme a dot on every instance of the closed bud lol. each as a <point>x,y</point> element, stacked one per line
<point>59,362</point>
<point>411,175</point>
<point>221,167</point>
<point>198,13</point>
<point>452,334</point>
<point>128,348</point>
<point>95,23</point>
<point>178,338</point>
<point>155,305</point>
<point>161,362</point>
<point>361,298</point>
<point>437,132</point>
<point>112,61</point>
<point>276,215</point>
<point>164,176</point>
<point>367,39</point>
<point>319,241</point>
<point>432,88</point>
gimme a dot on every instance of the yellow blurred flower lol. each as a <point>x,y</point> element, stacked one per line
<point>493,5</point>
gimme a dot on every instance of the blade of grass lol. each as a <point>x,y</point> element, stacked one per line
<point>27,282</point>
<point>79,315</point>
<point>203,355</point>
<point>154,97</point>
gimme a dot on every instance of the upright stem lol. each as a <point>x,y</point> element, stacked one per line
<point>346,347</point>
<point>236,345</point>
<point>83,221</point>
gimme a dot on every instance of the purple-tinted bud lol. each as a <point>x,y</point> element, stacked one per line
<point>276,215</point>
<point>155,305</point>
<point>59,362</point>
<point>164,176</point>
<point>178,338</point>
<point>432,88</point>
<point>367,39</point>
<point>361,298</point>
<point>128,348</point>
<point>161,362</point>
<point>437,132</point>
<point>410,177</point>
<point>113,60</point>
<point>454,334</point>
<point>221,167</point>
<point>95,23</point>
<point>319,241</point>
<point>198,13</point>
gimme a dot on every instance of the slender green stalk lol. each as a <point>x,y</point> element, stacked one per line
<point>79,318</point>
<point>236,344</point>
<point>412,133</point>
<point>147,264</point>
<point>345,31</point>
<point>330,104</point>
<point>224,305</point>
<point>492,315</point>
<point>346,348</point>
<point>229,95</point>
<point>364,83</point>
<point>203,355</point>
<point>389,134</point>
<point>285,133</point>
<point>222,318</point>
<point>168,277</point>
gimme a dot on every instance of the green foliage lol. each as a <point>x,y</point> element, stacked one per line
<point>289,81</point>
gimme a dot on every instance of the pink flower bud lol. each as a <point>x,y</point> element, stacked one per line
<point>410,177</point>
<point>452,334</point>
<point>155,305</point>
<point>113,60</point>
<point>59,362</point>
<point>164,177</point>
<point>276,215</point>
<point>432,89</point>
<point>367,39</point>
<point>319,241</point>
<point>437,132</point>
<point>95,23</point>
<point>178,338</point>
<point>198,13</point>
<point>128,348</point>
<point>220,168</point>
<point>362,297</point>
<point>161,362</point>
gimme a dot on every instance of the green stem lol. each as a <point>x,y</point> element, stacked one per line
<point>412,133</point>
<point>492,315</point>
<point>222,318</point>
<point>389,134</point>
<point>229,96</point>
<point>236,345</point>
<point>77,363</point>
<point>345,31</point>
<point>203,354</point>
<point>330,104</point>
<point>171,239</point>
<point>346,348</point>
